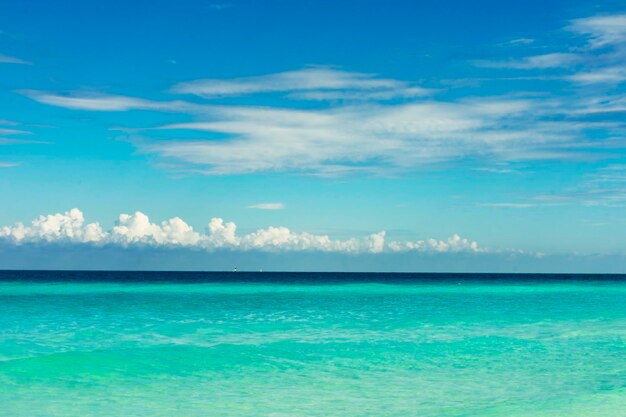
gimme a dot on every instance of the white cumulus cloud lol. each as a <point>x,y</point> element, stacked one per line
<point>137,229</point>
<point>61,227</point>
<point>455,243</point>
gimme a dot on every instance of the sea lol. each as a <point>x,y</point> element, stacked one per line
<point>311,344</point>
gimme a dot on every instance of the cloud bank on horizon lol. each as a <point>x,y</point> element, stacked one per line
<point>136,230</point>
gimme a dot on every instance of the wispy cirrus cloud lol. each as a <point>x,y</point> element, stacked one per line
<point>103,102</point>
<point>606,45</point>
<point>604,187</point>
<point>362,95</point>
<point>267,206</point>
<point>602,30</point>
<point>373,137</point>
<point>4,131</point>
<point>518,41</point>
<point>362,122</point>
<point>221,6</point>
<point>603,105</point>
<point>16,130</point>
<point>599,61</point>
<point>545,61</point>
<point>609,75</point>
<point>362,138</point>
<point>317,83</point>
<point>5,59</point>
<point>508,205</point>
<point>8,164</point>
<point>12,141</point>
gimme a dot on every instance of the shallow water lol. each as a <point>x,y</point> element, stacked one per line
<point>137,344</point>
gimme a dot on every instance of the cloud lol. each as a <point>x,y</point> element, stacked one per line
<point>8,164</point>
<point>375,136</point>
<point>138,230</point>
<point>361,95</point>
<point>608,34</point>
<point>604,105</point>
<point>65,227</point>
<point>600,61</point>
<point>317,83</point>
<point>102,102</point>
<point>4,59</point>
<point>508,205</point>
<point>545,61</point>
<point>222,234</point>
<point>11,141</point>
<point>453,244</point>
<point>12,131</point>
<point>601,30</point>
<point>99,102</point>
<point>268,206</point>
<point>497,170</point>
<point>606,187</point>
<point>519,41</point>
<point>610,75</point>
<point>4,131</point>
<point>282,238</point>
<point>220,6</point>
<point>364,138</point>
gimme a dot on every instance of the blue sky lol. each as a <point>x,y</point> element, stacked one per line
<point>492,130</point>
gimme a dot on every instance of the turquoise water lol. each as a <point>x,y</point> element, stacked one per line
<point>276,349</point>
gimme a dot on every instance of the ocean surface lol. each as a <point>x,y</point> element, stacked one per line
<point>268,344</point>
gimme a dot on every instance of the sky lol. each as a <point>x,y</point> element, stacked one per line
<point>313,135</point>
